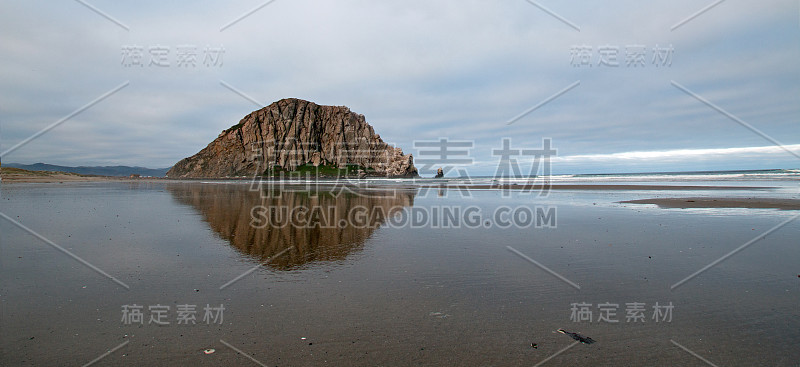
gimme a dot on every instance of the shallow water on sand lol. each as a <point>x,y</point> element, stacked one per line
<point>390,276</point>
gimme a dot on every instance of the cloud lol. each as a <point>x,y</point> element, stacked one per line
<point>415,69</point>
<point>679,155</point>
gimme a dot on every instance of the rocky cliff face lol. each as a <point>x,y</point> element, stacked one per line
<point>292,133</point>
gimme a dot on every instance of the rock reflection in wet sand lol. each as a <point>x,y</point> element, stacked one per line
<point>319,225</point>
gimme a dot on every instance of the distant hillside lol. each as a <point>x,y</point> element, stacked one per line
<point>99,171</point>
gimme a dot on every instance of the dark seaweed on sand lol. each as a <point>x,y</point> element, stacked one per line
<point>578,337</point>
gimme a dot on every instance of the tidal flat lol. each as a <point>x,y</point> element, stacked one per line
<point>392,274</point>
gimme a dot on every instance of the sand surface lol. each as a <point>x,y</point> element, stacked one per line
<point>720,202</point>
<point>423,294</point>
<point>602,187</point>
<point>16,175</point>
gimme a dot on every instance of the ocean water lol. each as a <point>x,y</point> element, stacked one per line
<point>393,273</point>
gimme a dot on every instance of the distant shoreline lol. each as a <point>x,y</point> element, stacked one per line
<point>19,176</point>
<point>14,175</point>
<point>614,187</point>
<point>11,175</point>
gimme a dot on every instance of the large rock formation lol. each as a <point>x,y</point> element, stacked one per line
<point>291,134</point>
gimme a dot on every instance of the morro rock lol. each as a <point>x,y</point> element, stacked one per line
<point>293,134</point>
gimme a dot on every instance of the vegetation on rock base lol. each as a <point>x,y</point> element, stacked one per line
<point>308,170</point>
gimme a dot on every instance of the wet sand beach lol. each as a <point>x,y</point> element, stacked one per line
<point>721,202</point>
<point>384,279</point>
<point>626,187</point>
<point>16,175</point>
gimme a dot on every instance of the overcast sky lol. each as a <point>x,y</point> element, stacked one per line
<point>418,70</point>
